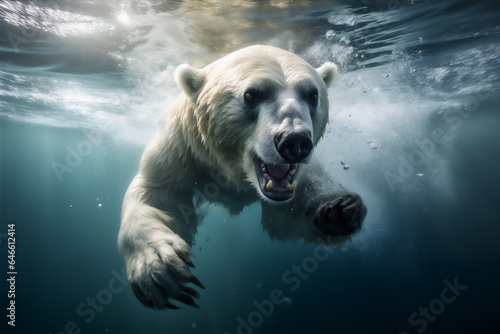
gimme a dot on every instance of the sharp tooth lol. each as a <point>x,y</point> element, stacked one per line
<point>269,186</point>
<point>291,187</point>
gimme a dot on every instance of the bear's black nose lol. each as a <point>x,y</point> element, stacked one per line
<point>294,146</point>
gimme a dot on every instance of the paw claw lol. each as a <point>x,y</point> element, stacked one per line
<point>190,291</point>
<point>347,201</point>
<point>187,260</point>
<point>140,295</point>
<point>187,300</point>
<point>196,281</point>
<point>334,203</point>
<point>171,306</point>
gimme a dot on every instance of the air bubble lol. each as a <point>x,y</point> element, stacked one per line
<point>374,145</point>
<point>345,40</point>
<point>343,18</point>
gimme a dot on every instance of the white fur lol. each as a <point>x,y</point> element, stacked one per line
<point>208,136</point>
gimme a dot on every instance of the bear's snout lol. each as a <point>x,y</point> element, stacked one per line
<point>294,146</point>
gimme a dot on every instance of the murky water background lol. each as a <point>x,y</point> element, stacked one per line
<point>414,130</point>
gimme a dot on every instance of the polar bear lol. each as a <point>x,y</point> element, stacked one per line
<point>243,130</point>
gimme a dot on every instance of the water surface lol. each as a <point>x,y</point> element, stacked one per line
<point>414,116</point>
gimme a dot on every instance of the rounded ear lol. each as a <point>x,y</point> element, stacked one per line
<point>328,71</point>
<point>190,80</point>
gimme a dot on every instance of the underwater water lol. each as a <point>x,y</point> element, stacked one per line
<point>415,130</point>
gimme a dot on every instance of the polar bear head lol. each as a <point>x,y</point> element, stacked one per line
<point>257,115</point>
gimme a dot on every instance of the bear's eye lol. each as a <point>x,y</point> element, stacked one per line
<point>313,98</point>
<point>250,96</point>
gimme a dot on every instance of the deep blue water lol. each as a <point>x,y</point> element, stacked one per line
<point>415,116</point>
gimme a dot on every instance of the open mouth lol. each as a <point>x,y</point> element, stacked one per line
<point>276,181</point>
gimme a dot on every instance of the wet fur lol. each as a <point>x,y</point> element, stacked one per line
<point>204,151</point>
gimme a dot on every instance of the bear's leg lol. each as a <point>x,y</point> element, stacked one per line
<point>318,210</point>
<point>337,213</point>
<point>157,258</point>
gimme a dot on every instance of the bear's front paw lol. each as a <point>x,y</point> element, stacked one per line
<point>160,272</point>
<point>340,214</point>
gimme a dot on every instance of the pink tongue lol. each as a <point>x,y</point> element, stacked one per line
<point>278,171</point>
